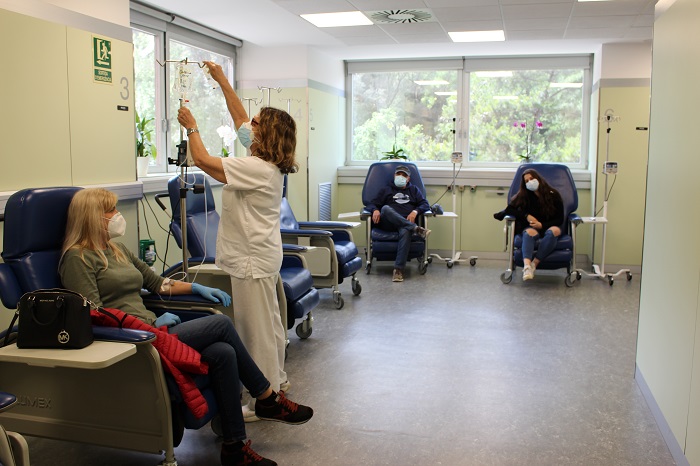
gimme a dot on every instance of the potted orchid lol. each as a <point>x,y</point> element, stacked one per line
<point>227,136</point>
<point>522,126</point>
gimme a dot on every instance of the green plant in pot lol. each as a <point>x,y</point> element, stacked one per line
<point>394,154</point>
<point>144,134</point>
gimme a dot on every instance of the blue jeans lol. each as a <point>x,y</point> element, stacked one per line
<point>545,248</point>
<point>390,220</point>
<point>229,365</point>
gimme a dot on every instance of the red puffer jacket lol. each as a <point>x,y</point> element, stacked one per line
<point>177,358</point>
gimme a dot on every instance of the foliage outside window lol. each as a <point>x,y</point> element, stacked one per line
<point>157,92</point>
<point>500,116</point>
<point>408,110</point>
<point>534,115</point>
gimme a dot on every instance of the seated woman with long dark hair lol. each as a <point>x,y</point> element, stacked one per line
<point>539,213</point>
<point>110,275</point>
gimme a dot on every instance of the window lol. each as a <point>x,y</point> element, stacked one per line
<point>499,111</point>
<point>159,88</point>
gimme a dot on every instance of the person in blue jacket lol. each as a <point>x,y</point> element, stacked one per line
<point>395,209</point>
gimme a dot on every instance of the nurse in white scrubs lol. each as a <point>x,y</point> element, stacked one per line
<point>249,243</point>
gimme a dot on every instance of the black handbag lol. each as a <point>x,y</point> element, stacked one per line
<point>53,318</point>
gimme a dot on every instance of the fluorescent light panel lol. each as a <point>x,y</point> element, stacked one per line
<point>332,20</point>
<point>566,85</point>
<point>434,82</point>
<point>477,36</point>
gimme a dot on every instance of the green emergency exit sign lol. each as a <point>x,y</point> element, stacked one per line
<point>102,60</point>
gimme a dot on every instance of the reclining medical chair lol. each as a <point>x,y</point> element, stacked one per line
<point>202,225</point>
<point>564,255</point>
<point>382,245</point>
<point>332,256</point>
<point>14,450</point>
<point>112,393</point>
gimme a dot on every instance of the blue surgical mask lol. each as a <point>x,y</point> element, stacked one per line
<point>400,181</point>
<point>533,184</point>
<point>245,134</point>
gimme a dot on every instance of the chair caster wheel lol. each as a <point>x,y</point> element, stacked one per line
<point>356,287</point>
<point>472,262</point>
<point>570,279</point>
<point>629,276</point>
<point>304,330</point>
<point>338,300</point>
<point>423,267</point>
<point>450,264</point>
<point>506,277</point>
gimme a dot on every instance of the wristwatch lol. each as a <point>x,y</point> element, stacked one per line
<point>192,130</point>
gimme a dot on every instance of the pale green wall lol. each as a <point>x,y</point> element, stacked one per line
<point>628,147</point>
<point>477,230</point>
<point>667,347</point>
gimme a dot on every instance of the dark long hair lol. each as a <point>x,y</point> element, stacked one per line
<point>545,192</point>
<point>277,139</point>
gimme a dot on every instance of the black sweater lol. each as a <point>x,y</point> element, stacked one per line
<point>532,207</point>
<point>402,200</point>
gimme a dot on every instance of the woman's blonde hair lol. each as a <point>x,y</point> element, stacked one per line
<point>277,133</point>
<point>85,224</point>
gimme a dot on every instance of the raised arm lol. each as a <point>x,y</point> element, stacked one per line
<point>212,166</point>
<point>234,104</point>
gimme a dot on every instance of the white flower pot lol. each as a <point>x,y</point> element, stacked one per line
<point>142,166</point>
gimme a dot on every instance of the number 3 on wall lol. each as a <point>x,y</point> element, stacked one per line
<point>124,94</point>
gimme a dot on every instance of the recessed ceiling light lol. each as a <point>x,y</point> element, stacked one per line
<point>494,74</point>
<point>505,97</point>
<point>477,36</point>
<point>566,85</point>
<point>446,93</point>
<point>434,82</point>
<point>332,20</point>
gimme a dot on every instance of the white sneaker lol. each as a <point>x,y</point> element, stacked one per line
<point>528,272</point>
<point>249,414</point>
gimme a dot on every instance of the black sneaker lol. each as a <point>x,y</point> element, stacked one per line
<point>243,456</point>
<point>278,408</point>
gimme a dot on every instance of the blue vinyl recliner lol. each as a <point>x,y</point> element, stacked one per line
<point>564,256</point>
<point>130,405</point>
<point>202,224</point>
<point>342,259</point>
<point>382,245</point>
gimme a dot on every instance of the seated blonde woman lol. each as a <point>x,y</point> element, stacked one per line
<point>110,275</point>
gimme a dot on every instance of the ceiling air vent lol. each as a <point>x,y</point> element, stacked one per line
<point>400,16</point>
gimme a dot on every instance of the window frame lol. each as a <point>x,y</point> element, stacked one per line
<point>167,27</point>
<point>467,65</point>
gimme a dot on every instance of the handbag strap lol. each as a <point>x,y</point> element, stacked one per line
<point>104,311</point>
<point>9,329</point>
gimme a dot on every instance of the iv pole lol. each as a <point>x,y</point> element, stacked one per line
<point>599,270</point>
<point>456,158</point>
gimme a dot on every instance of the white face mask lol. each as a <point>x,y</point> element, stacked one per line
<point>246,135</point>
<point>533,184</point>
<point>400,181</point>
<point>116,226</point>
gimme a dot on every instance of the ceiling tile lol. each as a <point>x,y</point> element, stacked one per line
<point>455,26</point>
<point>423,38</point>
<point>412,28</point>
<point>549,34</point>
<point>355,31</point>
<point>470,13</point>
<point>590,22</point>
<point>459,3</point>
<point>610,33</point>
<point>608,8</point>
<point>359,40</point>
<point>554,10</point>
<point>536,24</point>
<point>640,33</point>
<point>365,5</point>
<point>533,2</point>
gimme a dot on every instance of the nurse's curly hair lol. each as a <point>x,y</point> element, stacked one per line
<point>277,139</point>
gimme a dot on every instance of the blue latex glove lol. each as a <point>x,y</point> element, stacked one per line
<point>167,319</point>
<point>212,294</point>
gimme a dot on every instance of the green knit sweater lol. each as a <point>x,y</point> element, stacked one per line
<point>116,286</point>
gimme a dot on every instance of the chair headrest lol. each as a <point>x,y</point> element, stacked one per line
<point>35,220</point>
<point>381,174</point>
<point>196,203</point>
<point>557,175</point>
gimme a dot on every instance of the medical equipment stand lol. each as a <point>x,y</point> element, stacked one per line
<point>609,168</point>
<point>455,258</point>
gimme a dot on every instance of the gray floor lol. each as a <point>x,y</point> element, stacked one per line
<point>451,368</point>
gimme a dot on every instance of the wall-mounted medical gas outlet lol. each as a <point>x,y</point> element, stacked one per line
<point>610,168</point>
<point>456,157</point>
